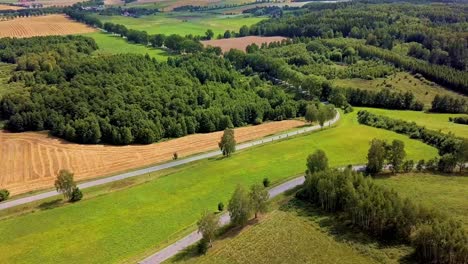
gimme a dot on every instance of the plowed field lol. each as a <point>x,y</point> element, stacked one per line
<point>30,161</point>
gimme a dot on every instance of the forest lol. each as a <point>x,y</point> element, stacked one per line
<point>124,99</point>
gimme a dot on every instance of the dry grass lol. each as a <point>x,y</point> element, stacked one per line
<point>9,7</point>
<point>42,26</point>
<point>240,43</point>
<point>30,161</point>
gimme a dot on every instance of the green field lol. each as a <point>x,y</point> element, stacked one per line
<point>111,44</point>
<point>282,237</point>
<point>131,223</point>
<point>429,120</point>
<point>401,81</point>
<point>183,23</point>
<point>446,193</point>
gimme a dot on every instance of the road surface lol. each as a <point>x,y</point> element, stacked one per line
<point>37,197</point>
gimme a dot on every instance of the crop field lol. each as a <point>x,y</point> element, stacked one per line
<point>41,26</point>
<point>133,222</point>
<point>281,235</point>
<point>169,5</point>
<point>429,120</point>
<point>9,7</point>
<point>401,81</point>
<point>31,161</point>
<point>241,8</point>
<point>111,44</point>
<point>240,43</point>
<point>183,23</point>
<point>444,192</point>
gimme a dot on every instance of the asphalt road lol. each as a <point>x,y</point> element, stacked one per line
<point>92,183</point>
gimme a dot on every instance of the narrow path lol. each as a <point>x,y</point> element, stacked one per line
<point>37,197</point>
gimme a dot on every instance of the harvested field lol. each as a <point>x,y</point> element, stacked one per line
<point>9,7</point>
<point>30,161</point>
<point>240,43</point>
<point>42,26</point>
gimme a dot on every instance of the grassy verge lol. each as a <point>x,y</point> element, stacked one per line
<point>135,221</point>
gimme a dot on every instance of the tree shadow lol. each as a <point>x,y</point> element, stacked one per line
<point>187,253</point>
<point>50,205</point>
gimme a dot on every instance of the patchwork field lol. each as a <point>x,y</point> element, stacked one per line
<point>132,223</point>
<point>169,5</point>
<point>240,43</point>
<point>445,192</point>
<point>401,81</point>
<point>183,23</point>
<point>31,161</point>
<point>281,235</point>
<point>42,26</point>
<point>429,120</point>
<point>111,44</point>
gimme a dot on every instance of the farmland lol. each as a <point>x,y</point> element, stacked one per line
<point>443,192</point>
<point>111,44</point>
<point>41,26</point>
<point>30,161</point>
<point>240,43</point>
<point>183,23</point>
<point>9,7</point>
<point>429,120</point>
<point>158,211</point>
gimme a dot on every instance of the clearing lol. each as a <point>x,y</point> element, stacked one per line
<point>432,121</point>
<point>42,26</point>
<point>240,43</point>
<point>183,23</point>
<point>134,222</point>
<point>30,161</point>
<point>113,44</point>
<point>446,193</point>
<point>423,90</point>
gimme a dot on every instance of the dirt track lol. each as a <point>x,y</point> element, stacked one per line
<point>30,161</point>
<point>41,26</point>
<point>240,43</point>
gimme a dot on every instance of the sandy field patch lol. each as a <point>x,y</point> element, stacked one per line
<point>42,26</point>
<point>240,43</point>
<point>30,161</point>
<point>9,7</point>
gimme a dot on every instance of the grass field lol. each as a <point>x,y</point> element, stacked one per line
<point>401,81</point>
<point>446,193</point>
<point>429,120</point>
<point>111,44</point>
<point>131,223</point>
<point>183,23</point>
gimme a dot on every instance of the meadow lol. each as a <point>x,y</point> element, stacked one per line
<point>183,23</point>
<point>112,44</point>
<point>432,121</point>
<point>134,222</point>
<point>423,90</point>
<point>446,193</point>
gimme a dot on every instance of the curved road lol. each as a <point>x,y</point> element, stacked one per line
<point>37,197</point>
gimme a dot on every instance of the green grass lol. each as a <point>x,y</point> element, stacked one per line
<point>131,223</point>
<point>446,193</point>
<point>5,74</point>
<point>183,23</point>
<point>111,44</point>
<point>401,81</point>
<point>429,120</point>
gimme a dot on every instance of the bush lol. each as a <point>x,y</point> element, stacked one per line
<point>408,166</point>
<point>220,206</point>
<point>266,182</point>
<point>76,195</point>
<point>4,194</point>
<point>202,246</point>
<point>420,165</point>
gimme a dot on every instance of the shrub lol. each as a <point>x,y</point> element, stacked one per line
<point>220,206</point>
<point>420,165</point>
<point>4,194</point>
<point>408,166</point>
<point>266,182</point>
<point>76,195</point>
<point>202,246</point>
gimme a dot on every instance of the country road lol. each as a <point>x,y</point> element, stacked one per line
<point>92,183</point>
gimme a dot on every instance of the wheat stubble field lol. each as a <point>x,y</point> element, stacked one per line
<point>42,26</point>
<point>30,161</point>
<point>240,43</point>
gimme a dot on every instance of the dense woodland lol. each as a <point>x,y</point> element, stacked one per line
<point>127,99</point>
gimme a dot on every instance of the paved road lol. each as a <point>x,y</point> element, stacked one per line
<point>167,165</point>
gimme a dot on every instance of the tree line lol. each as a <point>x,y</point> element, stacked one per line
<point>448,104</point>
<point>382,213</point>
